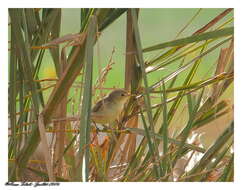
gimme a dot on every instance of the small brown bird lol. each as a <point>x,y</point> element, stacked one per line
<point>108,109</point>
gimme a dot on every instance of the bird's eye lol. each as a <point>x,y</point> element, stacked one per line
<point>122,94</point>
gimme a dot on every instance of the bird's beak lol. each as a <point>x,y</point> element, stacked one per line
<point>131,95</point>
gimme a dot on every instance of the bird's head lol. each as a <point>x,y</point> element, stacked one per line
<point>118,95</point>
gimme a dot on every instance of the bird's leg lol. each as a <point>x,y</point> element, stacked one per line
<point>119,124</point>
<point>97,129</point>
<point>112,132</point>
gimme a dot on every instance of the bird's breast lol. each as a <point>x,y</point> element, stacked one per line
<point>108,114</point>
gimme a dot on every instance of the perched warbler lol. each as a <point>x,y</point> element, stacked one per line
<point>108,109</point>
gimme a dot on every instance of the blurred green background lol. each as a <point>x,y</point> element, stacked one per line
<point>156,26</point>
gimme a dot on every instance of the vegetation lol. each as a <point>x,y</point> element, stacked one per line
<point>147,144</point>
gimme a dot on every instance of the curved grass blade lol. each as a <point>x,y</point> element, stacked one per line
<point>111,18</point>
<point>160,137</point>
<point>186,66</point>
<point>194,38</point>
<point>199,84</point>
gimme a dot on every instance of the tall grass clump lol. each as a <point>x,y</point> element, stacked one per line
<point>163,132</point>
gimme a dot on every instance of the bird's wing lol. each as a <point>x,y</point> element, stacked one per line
<point>98,106</point>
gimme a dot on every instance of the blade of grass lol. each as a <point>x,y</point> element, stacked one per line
<point>194,38</point>
<point>160,137</point>
<point>189,22</point>
<point>86,104</point>
<point>31,22</point>
<point>186,52</point>
<point>98,159</point>
<point>12,98</point>
<point>111,18</point>
<point>200,84</point>
<point>168,101</point>
<point>85,16</point>
<point>146,95</point>
<point>46,25</point>
<point>142,65</point>
<point>211,112</point>
<point>214,21</point>
<point>210,118</point>
<point>55,33</point>
<point>63,85</point>
<point>164,129</point>
<point>151,147</point>
<point>186,66</point>
<point>135,161</point>
<point>103,14</point>
<point>187,81</point>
